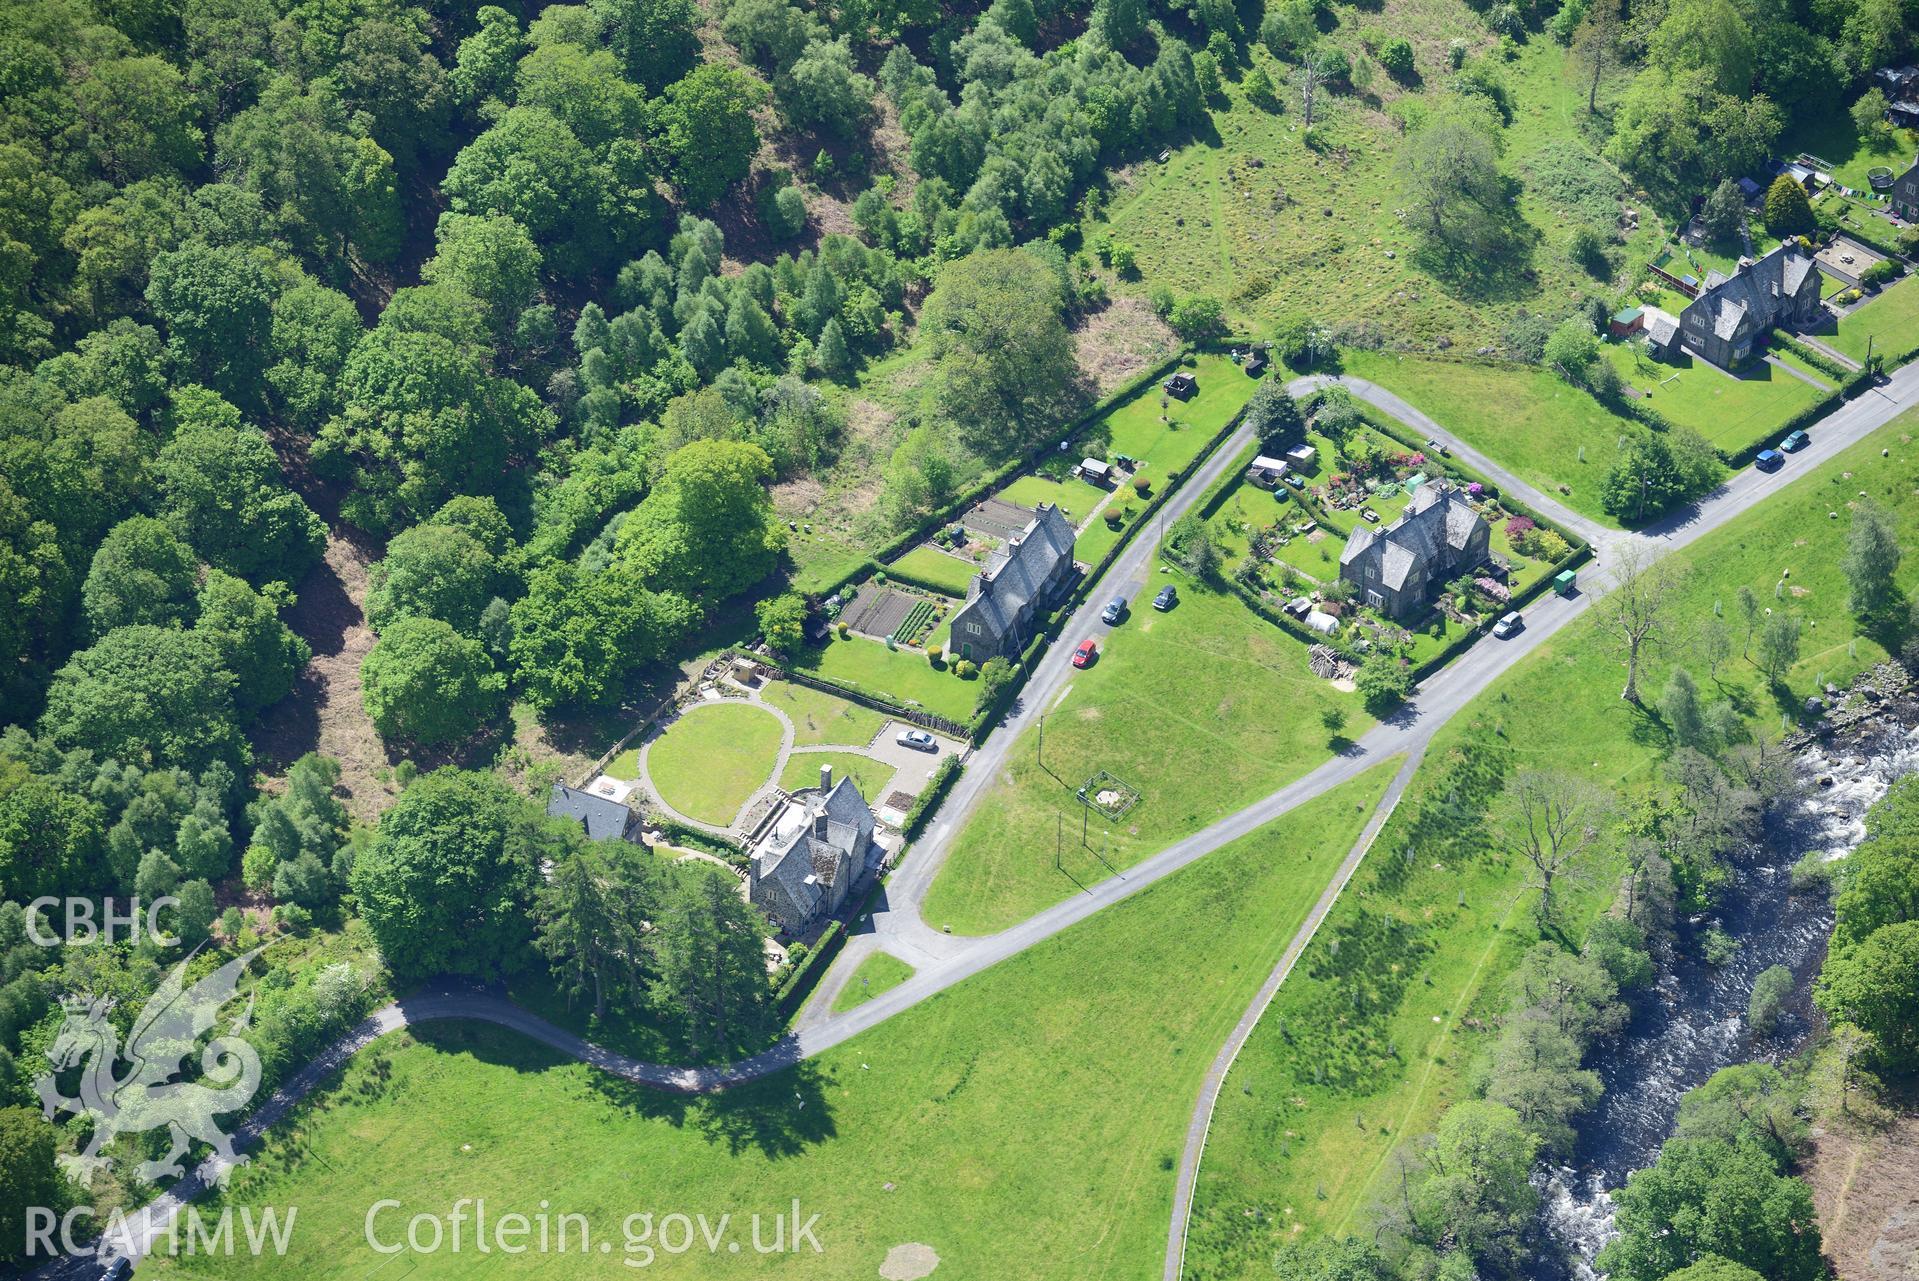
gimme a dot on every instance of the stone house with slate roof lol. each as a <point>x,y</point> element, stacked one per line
<point>1733,312</point>
<point>1020,580</point>
<point>601,817</point>
<point>1436,539</point>
<point>808,854</point>
<point>1904,194</point>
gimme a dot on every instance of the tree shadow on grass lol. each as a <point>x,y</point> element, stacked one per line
<point>1887,625</point>
<point>780,1116</point>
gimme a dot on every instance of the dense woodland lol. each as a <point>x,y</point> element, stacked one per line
<point>538,305</point>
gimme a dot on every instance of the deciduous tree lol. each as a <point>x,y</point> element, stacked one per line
<point>447,883</point>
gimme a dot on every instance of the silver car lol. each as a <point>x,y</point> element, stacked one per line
<point>919,740</point>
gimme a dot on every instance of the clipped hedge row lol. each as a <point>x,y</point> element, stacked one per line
<point>1870,239</point>
<point>1404,435</point>
<point>945,774</point>
<point>698,839</point>
<point>1854,384</point>
<point>1817,359</point>
<point>895,574</point>
<point>855,694</point>
<point>995,479</point>
<point>805,976</point>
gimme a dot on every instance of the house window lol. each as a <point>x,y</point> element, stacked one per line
<point>1372,573</point>
<point>972,629</point>
<point>1375,600</point>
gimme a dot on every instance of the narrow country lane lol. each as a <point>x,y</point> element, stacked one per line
<point>947,960</point>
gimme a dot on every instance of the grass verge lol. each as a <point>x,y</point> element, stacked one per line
<point>1200,710</point>
<point>1377,1031</point>
<point>981,1123</point>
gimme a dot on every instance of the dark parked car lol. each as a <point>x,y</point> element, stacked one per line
<point>1166,599</point>
<point>1114,611</point>
<point>1794,443</point>
<point>1769,460</point>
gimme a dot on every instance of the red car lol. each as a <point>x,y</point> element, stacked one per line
<point>1088,650</point>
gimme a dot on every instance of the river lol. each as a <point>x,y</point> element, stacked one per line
<point>1694,1023</point>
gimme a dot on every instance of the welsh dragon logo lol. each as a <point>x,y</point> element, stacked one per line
<point>147,1097</point>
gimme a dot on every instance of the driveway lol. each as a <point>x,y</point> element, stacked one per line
<point>942,960</point>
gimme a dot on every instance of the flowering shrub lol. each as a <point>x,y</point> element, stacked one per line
<point>1493,589</point>
<point>1518,528</point>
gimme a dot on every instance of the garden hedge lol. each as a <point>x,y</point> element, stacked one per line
<point>805,976</point>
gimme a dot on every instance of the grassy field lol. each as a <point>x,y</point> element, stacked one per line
<point>1526,418</point>
<point>1249,214</point>
<point>879,973</point>
<point>897,675</point>
<point>1889,321</point>
<point>1308,1118</point>
<point>981,1123</point>
<point>819,717</point>
<point>1201,710</point>
<point>803,770</point>
<point>1730,411</point>
<point>712,758</point>
<point>937,569</point>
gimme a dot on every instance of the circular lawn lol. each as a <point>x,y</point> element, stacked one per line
<point>713,758</point>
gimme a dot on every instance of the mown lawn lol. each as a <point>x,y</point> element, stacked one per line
<point>1201,710</point>
<point>1830,135</point>
<point>803,770</point>
<point>937,569</point>
<point>819,717</point>
<point>1730,411</point>
<point>1076,498</point>
<point>1890,322</point>
<point>1307,1121</point>
<point>879,973</point>
<point>901,675</point>
<point>1025,1124</point>
<point>1527,419</point>
<point>1164,438</point>
<point>713,758</point>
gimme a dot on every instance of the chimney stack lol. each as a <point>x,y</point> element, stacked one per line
<point>826,777</point>
<point>819,826</point>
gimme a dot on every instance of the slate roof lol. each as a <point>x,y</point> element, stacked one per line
<point>1761,289</point>
<point>1017,574</point>
<point>602,818</point>
<point>820,837</point>
<point>1437,521</point>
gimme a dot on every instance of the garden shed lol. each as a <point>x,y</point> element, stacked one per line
<point>1093,469</point>
<point>1266,471</point>
<point>1181,386</point>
